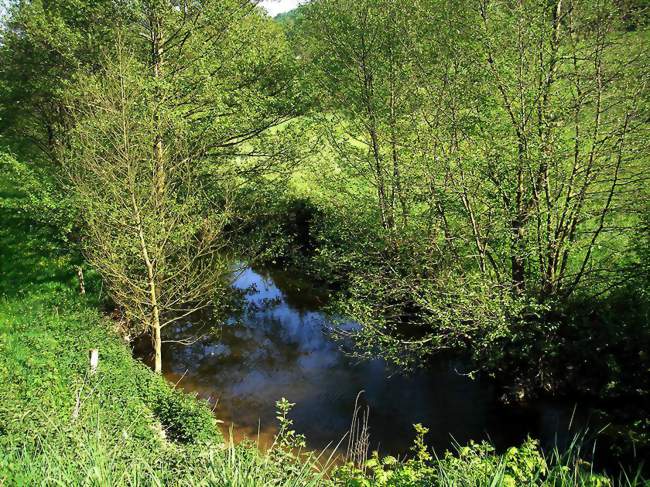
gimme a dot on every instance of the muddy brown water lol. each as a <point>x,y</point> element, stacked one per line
<point>279,345</point>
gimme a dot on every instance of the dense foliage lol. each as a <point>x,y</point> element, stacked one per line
<point>499,172</point>
<point>125,426</point>
<point>468,177</point>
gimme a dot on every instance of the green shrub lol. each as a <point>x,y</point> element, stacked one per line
<point>184,418</point>
<point>478,464</point>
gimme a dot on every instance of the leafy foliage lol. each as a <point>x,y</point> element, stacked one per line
<point>475,189</point>
<point>477,182</point>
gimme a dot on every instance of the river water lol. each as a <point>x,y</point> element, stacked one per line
<point>279,346</point>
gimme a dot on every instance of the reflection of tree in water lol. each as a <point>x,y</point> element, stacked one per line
<point>299,292</point>
<point>267,347</point>
<point>265,305</point>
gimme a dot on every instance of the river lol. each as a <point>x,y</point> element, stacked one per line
<point>279,346</point>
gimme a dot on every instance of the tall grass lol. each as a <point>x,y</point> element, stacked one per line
<point>101,460</point>
<point>95,458</point>
<point>528,466</point>
<point>478,464</point>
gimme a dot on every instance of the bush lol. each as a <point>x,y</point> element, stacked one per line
<point>478,464</point>
<point>184,418</point>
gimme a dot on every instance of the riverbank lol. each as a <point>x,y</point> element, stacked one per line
<point>577,353</point>
<point>124,425</point>
<point>54,414</point>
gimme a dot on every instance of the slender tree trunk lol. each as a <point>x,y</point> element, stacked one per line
<point>155,324</point>
<point>386,215</point>
<point>159,183</point>
<point>368,98</point>
<point>82,283</point>
<point>157,340</point>
<point>518,234</point>
<point>397,182</point>
<point>157,62</point>
<point>381,187</point>
<point>518,260</point>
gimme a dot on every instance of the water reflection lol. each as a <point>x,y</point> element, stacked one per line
<point>279,347</point>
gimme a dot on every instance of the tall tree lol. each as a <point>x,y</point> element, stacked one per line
<point>561,152</point>
<point>522,129</point>
<point>43,45</point>
<point>361,61</point>
<point>164,136</point>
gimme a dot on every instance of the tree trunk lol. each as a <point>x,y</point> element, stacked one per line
<point>157,61</point>
<point>159,183</point>
<point>518,260</point>
<point>80,277</point>
<point>155,324</point>
<point>157,340</point>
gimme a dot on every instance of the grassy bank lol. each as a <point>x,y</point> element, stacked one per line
<point>123,425</point>
<point>50,406</point>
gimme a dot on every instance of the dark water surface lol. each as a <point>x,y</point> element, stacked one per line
<point>280,347</point>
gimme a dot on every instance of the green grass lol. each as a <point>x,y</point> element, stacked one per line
<point>123,425</point>
<point>48,400</point>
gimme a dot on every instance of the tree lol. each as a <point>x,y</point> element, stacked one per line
<point>559,154</point>
<point>153,240</point>
<point>361,61</point>
<point>164,136</point>
<point>43,46</point>
<point>520,128</point>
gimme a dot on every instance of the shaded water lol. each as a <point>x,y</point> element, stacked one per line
<point>279,346</point>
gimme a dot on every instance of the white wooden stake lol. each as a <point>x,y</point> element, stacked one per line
<point>94,360</point>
